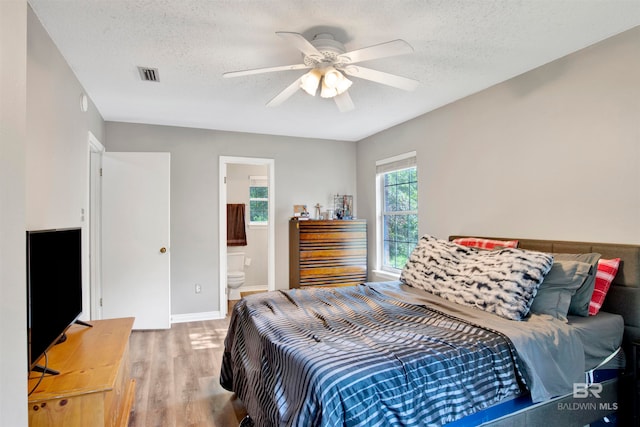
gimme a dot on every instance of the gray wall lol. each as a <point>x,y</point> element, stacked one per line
<point>13,328</point>
<point>57,148</point>
<point>553,153</point>
<point>307,171</point>
<point>44,176</point>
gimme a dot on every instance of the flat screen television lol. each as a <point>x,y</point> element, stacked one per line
<point>54,289</point>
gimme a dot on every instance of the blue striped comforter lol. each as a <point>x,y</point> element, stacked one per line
<point>355,357</point>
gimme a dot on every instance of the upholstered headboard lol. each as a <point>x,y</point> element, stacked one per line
<point>624,296</point>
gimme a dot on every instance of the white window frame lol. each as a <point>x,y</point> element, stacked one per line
<point>383,166</point>
<point>258,181</point>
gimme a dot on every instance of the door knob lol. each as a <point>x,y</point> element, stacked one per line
<point>163,250</point>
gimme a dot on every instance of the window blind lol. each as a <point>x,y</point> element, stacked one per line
<point>258,181</point>
<point>404,161</point>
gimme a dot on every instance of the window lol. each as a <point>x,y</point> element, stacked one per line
<point>258,200</point>
<point>398,206</point>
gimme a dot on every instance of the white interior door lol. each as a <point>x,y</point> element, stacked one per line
<point>135,238</point>
<point>95,231</point>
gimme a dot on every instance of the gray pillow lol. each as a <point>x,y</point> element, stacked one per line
<point>557,288</point>
<point>580,300</point>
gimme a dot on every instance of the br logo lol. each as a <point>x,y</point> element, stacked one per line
<point>582,390</point>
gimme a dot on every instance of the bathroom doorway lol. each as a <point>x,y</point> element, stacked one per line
<point>237,175</point>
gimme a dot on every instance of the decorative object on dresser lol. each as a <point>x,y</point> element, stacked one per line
<point>300,212</point>
<point>95,387</point>
<point>343,205</point>
<point>327,253</point>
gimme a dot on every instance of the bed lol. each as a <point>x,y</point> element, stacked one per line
<point>391,353</point>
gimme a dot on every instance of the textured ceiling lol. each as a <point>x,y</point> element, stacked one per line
<point>461,47</point>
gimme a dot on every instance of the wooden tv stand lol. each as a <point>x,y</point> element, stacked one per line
<point>94,387</point>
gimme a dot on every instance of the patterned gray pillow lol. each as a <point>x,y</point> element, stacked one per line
<point>502,282</point>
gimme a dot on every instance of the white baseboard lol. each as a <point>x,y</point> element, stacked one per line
<point>210,315</point>
<point>195,317</point>
<point>253,288</point>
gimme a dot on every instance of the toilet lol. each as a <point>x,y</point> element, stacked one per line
<point>235,274</point>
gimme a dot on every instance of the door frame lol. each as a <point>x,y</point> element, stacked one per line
<point>222,204</point>
<point>94,212</point>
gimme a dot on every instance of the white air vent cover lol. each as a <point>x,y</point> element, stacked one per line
<point>149,74</point>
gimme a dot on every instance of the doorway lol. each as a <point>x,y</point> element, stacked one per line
<point>130,180</point>
<point>95,220</point>
<point>227,166</point>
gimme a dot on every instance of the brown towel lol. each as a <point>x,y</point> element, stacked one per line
<point>236,234</point>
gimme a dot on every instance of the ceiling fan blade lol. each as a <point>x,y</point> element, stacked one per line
<point>285,94</point>
<point>382,50</point>
<point>302,44</point>
<point>265,70</point>
<point>344,102</point>
<point>381,77</point>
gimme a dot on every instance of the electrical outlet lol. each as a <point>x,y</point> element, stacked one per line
<point>198,288</point>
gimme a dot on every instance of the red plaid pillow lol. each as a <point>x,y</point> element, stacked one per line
<point>476,242</point>
<point>607,270</point>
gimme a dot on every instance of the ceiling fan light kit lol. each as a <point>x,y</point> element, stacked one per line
<point>332,76</point>
<point>310,81</point>
<point>331,82</point>
<point>329,64</point>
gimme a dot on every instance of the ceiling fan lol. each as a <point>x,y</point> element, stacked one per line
<point>329,64</point>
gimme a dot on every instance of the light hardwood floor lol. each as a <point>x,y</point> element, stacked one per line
<point>177,373</point>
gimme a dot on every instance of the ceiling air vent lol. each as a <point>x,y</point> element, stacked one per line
<point>149,74</point>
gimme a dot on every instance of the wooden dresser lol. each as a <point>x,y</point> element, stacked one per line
<point>327,253</point>
<point>94,387</point>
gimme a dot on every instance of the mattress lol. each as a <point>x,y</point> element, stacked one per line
<point>554,354</point>
<point>601,336</point>
<point>550,355</point>
<point>354,356</point>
